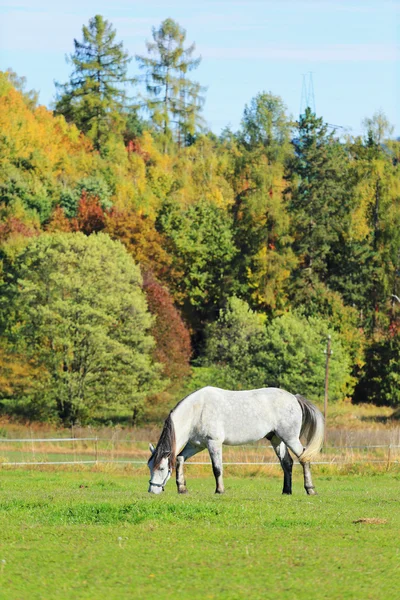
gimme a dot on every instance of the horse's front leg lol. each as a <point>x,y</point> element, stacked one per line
<point>188,451</point>
<point>180,477</point>
<point>215,450</point>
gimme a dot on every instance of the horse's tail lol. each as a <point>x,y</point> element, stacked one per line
<point>312,428</point>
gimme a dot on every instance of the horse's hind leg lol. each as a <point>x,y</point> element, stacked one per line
<point>308,484</point>
<point>188,451</point>
<point>296,446</point>
<point>215,450</point>
<point>285,460</point>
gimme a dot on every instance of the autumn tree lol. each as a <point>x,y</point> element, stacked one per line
<point>58,222</point>
<point>173,347</point>
<point>90,187</point>
<point>366,268</point>
<point>142,240</point>
<point>261,233</point>
<point>42,157</point>
<point>91,217</point>
<point>17,228</point>
<point>174,101</point>
<point>261,221</point>
<point>94,98</point>
<point>31,97</point>
<point>18,375</point>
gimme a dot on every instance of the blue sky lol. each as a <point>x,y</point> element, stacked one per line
<point>350,46</point>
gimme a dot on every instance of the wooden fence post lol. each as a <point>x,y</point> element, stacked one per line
<point>389,457</point>
<point>328,355</point>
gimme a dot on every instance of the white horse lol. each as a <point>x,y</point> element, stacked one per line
<point>211,417</point>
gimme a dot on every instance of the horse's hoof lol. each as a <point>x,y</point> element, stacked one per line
<point>287,493</point>
<point>182,491</point>
<point>220,491</point>
<point>311,492</point>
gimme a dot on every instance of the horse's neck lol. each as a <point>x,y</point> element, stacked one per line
<point>182,418</point>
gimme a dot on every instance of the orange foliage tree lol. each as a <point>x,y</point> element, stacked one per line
<point>59,222</point>
<point>91,216</point>
<point>17,374</point>
<point>13,227</point>
<point>139,235</point>
<point>173,348</point>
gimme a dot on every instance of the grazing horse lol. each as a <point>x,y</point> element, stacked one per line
<point>211,417</point>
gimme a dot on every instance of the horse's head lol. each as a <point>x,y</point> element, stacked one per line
<point>159,473</point>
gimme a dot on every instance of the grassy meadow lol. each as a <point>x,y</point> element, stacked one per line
<point>98,534</point>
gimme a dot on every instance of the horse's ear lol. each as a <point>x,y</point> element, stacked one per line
<point>151,448</point>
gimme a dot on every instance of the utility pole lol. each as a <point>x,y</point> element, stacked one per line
<point>328,353</point>
<point>307,94</point>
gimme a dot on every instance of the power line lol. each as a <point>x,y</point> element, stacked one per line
<point>308,101</point>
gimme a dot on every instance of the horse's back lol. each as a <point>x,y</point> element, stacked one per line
<point>239,417</point>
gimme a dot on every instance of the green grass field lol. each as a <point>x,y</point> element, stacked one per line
<point>96,535</point>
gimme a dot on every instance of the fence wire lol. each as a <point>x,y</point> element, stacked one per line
<point>95,450</point>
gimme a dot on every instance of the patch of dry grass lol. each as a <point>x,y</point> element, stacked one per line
<point>371,521</point>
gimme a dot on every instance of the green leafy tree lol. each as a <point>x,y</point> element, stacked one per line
<point>94,98</point>
<point>174,101</point>
<point>378,129</point>
<point>92,338</point>
<point>296,360</point>
<point>265,124</point>
<point>200,241</point>
<point>235,343</point>
<point>287,353</point>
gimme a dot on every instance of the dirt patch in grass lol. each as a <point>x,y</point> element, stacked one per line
<point>371,521</point>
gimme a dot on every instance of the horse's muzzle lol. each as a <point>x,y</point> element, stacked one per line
<point>155,489</point>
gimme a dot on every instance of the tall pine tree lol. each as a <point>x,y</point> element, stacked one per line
<point>174,101</point>
<point>94,98</point>
<point>318,198</point>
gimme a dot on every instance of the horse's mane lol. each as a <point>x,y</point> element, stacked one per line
<point>166,444</point>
